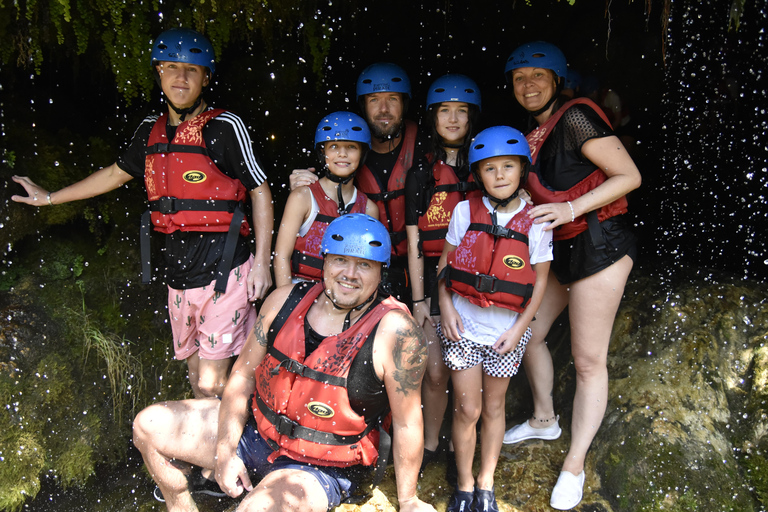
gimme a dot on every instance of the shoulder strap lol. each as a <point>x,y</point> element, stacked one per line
<point>294,297</point>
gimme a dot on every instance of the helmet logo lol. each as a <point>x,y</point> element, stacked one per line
<point>342,134</point>
<point>514,262</point>
<point>380,87</point>
<point>320,409</point>
<point>194,176</point>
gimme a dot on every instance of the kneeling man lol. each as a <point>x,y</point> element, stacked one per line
<point>326,369</point>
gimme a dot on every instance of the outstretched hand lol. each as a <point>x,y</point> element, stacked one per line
<point>36,195</point>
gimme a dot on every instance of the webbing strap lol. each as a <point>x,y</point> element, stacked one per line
<point>177,148</point>
<point>484,283</point>
<point>230,246</point>
<point>168,205</point>
<point>293,430</point>
<point>293,366</point>
<point>386,196</point>
<point>498,231</point>
<point>595,233</point>
<point>146,253</point>
<point>299,258</point>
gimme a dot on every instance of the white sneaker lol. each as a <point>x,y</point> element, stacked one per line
<point>524,431</point>
<point>568,491</point>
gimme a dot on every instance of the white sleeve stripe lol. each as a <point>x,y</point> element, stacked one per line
<point>151,119</point>
<point>246,146</point>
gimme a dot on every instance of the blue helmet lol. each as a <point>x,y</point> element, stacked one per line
<point>358,235</point>
<point>454,88</point>
<point>383,77</point>
<point>572,79</point>
<point>498,141</point>
<point>538,54</point>
<point>343,126</point>
<point>184,45</point>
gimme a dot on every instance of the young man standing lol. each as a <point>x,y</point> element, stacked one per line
<point>199,167</point>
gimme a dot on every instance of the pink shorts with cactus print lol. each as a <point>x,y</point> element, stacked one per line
<point>216,324</point>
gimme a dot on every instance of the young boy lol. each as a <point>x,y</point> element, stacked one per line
<point>341,141</point>
<point>493,273</point>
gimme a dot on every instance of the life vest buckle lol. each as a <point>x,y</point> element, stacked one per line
<point>165,205</point>
<point>500,231</point>
<point>286,426</point>
<point>485,283</point>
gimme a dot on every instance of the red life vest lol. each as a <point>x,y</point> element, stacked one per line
<point>306,262</point>
<point>186,190</point>
<point>448,191</point>
<point>301,404</point>
<point>391,200</point>
<point>541,194</point>
<point>491,266</point>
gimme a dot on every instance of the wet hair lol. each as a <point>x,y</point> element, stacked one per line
<point>436,143</point>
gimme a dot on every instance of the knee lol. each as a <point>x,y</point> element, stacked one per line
<point>466,412</point>
<point>436,376</point>
<point>208,389</point>
<point>210,384</point>
<point>589,365</point>
<point>142,427</point>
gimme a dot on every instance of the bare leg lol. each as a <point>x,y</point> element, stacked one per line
<point>286,490</point>
<point>193,373</point>
<point>177,431</point>
<point>537,359</point>
<point>208,377</point>
<point>492,428</point>
<point>593,305</point>
<point>468,403</point>
<point>434,391</point>
<point>213,375</point>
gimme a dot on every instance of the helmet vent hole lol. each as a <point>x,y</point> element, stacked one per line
<point>367,81</point>
<point>162,46</point>
<point>480,146</point>
<point>356,129</point>
<point>440,89</point>
<point>326,128</point>
<point>374,243</point>
<point>538,55</point>
<point>512,141</point>
<point>470,91</point>
<point>337,237</point>
<point>397,79</point>
<point>195,50</point>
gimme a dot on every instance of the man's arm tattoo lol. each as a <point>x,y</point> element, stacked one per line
<point>410,357</point>
<point>258,331</point>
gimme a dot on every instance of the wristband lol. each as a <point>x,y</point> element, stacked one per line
<point>573,214</point>
<point>49,199</point>
<point>417,301</point>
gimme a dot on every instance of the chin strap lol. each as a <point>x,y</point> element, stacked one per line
<point>500,203</point>
<point>349,312</point>
<point>183,112</point>
<point>395,135</point>
<point>342,209</point>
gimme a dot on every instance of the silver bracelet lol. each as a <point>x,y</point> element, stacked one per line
<point>49,199</point>
<point>573,214</point>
